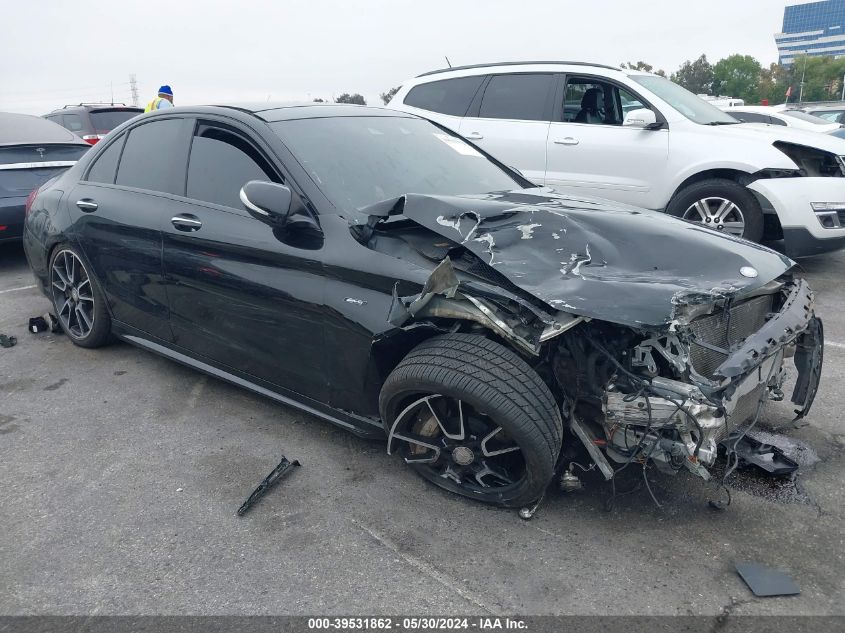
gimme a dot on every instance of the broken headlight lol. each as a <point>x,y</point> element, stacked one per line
<point>812,161</point>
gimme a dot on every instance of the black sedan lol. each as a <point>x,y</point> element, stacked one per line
<point>382,273</point>
<point>32,151</point>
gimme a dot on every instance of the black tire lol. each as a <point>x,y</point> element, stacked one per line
<point>83,332</point>
<point>492,386</point>
<point>716,188</point>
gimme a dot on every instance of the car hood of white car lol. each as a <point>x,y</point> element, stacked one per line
<point>774,133</point>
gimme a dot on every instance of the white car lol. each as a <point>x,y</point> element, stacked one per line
<point>637,138</point>
<point>788,118</point>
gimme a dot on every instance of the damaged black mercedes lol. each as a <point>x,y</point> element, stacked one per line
<point>380,272</point>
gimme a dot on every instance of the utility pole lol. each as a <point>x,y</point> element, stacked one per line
<point>801,92</point>
<point>843,88</point>
<point>133,86</point>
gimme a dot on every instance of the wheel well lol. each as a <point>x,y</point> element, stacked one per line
<point>739,177</point>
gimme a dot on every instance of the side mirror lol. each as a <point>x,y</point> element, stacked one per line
<point>641,118</point>
<point>268,202</point>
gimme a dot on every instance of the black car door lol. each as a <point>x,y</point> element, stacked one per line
<point>240,296</point>
<point>118,210</point>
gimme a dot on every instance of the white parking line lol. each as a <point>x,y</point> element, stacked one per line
<point>16,289</point>
<point>832,344</point>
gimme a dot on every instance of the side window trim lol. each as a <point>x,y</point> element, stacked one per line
<point>565,77</point>
<point>547,106</point>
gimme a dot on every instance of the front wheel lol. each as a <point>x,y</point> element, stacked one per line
<point>472,417</point>
<point>722,205</point>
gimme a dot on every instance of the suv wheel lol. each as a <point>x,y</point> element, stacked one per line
<point>721,205</point>
<point>469,415</point>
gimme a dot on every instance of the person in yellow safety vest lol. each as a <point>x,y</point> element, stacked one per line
<point>162,101</point>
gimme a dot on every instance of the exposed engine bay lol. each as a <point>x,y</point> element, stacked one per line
<point>648,362</point>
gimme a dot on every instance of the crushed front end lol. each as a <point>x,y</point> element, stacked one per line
<point>671,395</point>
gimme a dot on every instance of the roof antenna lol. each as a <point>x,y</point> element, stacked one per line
<point>448,62</point>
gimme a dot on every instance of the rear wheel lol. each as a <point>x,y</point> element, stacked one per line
<point>77,299</point>
<point>469,415</point>
<point>722,205</point>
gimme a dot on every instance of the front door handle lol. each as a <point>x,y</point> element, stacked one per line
<point>567,141</point>
<point>87,205</point>
<point>474,136</point>
<point>186,222</point>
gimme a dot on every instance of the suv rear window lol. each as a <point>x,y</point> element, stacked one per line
<point>448,96</point>
<point>522,96</point>
<point>106,120</point>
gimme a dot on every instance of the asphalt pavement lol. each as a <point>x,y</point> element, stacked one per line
<point>121,473</point>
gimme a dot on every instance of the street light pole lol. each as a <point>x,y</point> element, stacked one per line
<point>843,88</point>
<point>801,92</point>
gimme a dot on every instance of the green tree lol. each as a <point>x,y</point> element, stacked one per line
<point>387,96</point>
<point>822,78</point>
<point>644,66</point>
<point>696,76</point>
<point>318,100</point>
<point>738,76</point>
<point>351,98</point>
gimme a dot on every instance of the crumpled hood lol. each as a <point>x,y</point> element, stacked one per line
<point>773,133</point>
<point>595,258</point>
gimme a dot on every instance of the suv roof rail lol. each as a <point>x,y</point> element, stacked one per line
<point>528,63</point>
<point>95,103</point>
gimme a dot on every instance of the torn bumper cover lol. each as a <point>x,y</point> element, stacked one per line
<point>680,423</point>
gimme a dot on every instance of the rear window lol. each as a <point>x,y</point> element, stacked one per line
<point>449,96</point>
<point>106,120</point>
<point>154,157</point>
<point>521,97</point>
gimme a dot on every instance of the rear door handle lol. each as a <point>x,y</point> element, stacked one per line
<point>87,205</point>
<point>186,222</point>
<point>567,141</point>
<point>475,136</point>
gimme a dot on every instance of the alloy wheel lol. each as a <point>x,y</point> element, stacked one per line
<point>717,213</point>
<point>72,294</point>
<point>448,439</point>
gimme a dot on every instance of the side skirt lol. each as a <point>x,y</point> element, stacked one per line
<point>358,425</point>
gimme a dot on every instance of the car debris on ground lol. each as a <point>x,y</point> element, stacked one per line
<point>284,467</point>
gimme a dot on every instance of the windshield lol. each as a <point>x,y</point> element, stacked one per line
<point>358,160</point>
<point>804,116</point>
<point>692,107</point>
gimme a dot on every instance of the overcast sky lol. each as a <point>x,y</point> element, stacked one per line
<point>54,52</point>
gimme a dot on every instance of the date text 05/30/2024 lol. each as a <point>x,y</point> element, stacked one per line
<point>416,624</point>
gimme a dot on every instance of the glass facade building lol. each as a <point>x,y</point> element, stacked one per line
<point>812,28</point>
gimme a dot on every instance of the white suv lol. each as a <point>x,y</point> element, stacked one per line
<point>637,138</point>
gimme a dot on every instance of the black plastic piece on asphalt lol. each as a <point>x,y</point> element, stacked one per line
<point>765,581</point>
<point>278,472</point>
<point>769,458</point>
<point>8,341</point>
<point>43,323</point>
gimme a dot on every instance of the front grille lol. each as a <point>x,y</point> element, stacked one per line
<point>745,319</point>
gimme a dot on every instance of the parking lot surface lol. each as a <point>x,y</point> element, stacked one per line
<point>121,473</point>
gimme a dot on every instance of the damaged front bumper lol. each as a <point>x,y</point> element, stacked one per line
<point>679,423</point>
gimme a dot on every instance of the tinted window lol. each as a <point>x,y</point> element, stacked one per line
<point>751,117</point>
<point>449,96</point>
<point>106,120</point>
<point>105,164</point>
<point>516,97</point>
<point>221,163</point>
<point>776,121</point>
<point>153,157</point>
<point>358,161</point>
<point>73,122</point>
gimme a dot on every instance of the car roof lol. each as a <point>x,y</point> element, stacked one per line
<point>286,111</point>
<point>512,63</point>
<point>92,107</point>
<point>25,129</point>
